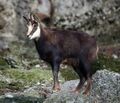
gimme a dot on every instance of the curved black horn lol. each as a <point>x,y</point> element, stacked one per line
<point>25,18</point>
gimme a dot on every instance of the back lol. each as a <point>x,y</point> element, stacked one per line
<point>72,38</point>
<point>71,42</point>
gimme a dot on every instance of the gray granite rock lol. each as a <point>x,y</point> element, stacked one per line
<point>8,20</point>
<point>105,89</point>
<point>96,17</point>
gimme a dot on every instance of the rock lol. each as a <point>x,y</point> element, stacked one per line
<point>37,65</point>
<point>20,99</point>
<point>105,89</point>
<point>8,24</point>
<point>3,48</point>
<point>8,95</point>
<point>2,22</point>
<point>35,94</point>
<point>12,24</point>
<point>1,8</point>
<point>96,17</point>
<point>11,19</point>
<point>115,56</point>
<point>22,8</point>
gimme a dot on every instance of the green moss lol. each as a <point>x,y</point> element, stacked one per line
<point>3,64</point>
<point>69,74</point>
<point>106,62</point>
<point>3,84</point>
<point>27,77</point>
<point>12,86</point>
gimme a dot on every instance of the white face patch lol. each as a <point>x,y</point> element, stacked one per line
<point>36,34</point>
<point>31,33</point>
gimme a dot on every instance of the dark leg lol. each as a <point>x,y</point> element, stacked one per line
<point>87,74</point>
<point>55,70</point>
<point>82,79</point>
<point>88,87</point>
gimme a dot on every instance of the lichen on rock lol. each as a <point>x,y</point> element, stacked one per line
<point>105,89</point>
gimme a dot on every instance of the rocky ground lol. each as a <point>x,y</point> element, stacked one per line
<point>105,89</point>
<point>97,17</point>
<point>23,76</point>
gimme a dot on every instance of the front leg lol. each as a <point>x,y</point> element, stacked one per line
<point>55,70</point>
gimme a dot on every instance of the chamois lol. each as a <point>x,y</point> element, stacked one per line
<point>77,49</point>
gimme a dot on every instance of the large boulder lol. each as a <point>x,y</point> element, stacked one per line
<point>105,89</point>
<point>7,20</point>
<point>11,19</point>
<point>97,17</point>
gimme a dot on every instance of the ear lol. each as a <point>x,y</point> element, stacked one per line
<point>36,17</point>
<point>32,16</point>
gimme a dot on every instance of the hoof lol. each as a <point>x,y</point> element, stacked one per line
<point>56,88</point>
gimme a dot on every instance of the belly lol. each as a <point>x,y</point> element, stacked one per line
<point>71,61</point>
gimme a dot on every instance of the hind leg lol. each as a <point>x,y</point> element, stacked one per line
<point>88,86</point>
<point>86,71</point>
<point>82,79</point>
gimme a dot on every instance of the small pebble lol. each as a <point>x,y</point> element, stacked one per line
<point>9,95</point>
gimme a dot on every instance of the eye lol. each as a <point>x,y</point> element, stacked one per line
<point>34,23</point>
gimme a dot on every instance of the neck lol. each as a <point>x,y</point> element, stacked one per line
<point>39,43</point>
<point>41,34</point>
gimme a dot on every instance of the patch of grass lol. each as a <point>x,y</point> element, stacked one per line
<point>3,64</point>
<point>12,86</point>
<point>3,84</point>
<point>106,62</point>
<point>69,74</point>
<point>27,77</point>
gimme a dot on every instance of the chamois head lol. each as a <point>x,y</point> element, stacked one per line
<point>33,26</point>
